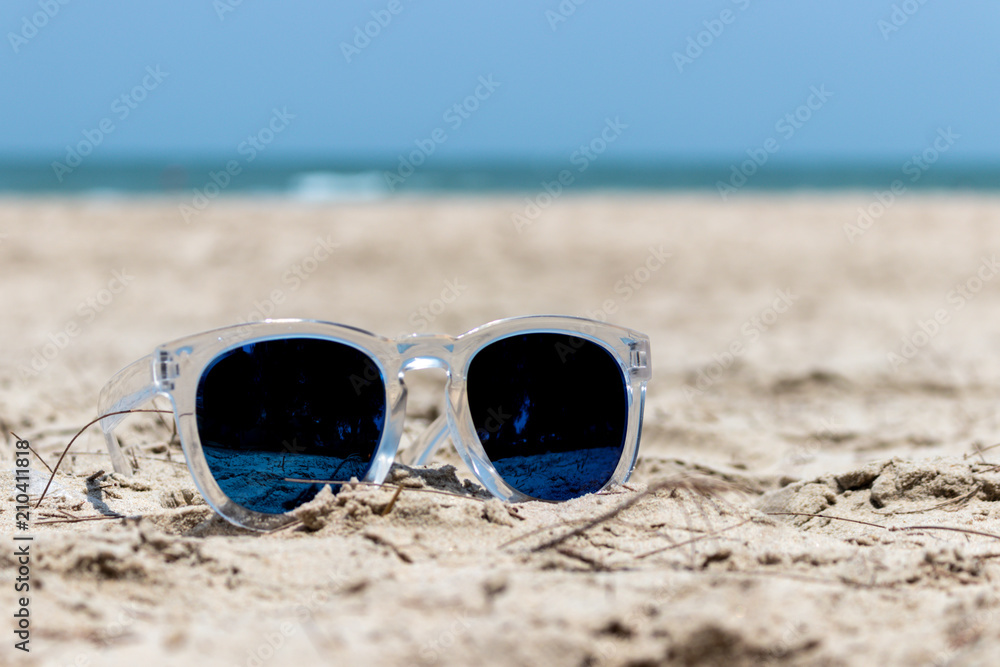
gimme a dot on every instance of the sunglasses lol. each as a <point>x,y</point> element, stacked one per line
<point>539,408</point>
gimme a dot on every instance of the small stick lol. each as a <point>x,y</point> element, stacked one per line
<point>967,531</point>
<point>952,501</point>
<point>84,518</point>
<point>37,455</point>
<point>824,516</point>
<point>694,539</point>
<point>392,501</point>
<point>78,434</point>
<point>587,525</point>
<point>380,486</point>
<point>695,484</point>
<point>980,451</point>
<point>93,477</point>
<point>144,458</point>
<point>536,531</point>
<point>290,524</point>
<point>164,421</point>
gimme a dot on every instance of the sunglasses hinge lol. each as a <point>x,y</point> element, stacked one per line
<point>639,358</point>
<point>166,370</point>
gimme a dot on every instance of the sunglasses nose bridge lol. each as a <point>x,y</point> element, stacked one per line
<point>421,351</point>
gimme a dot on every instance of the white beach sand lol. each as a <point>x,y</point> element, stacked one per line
<point>802,410</point>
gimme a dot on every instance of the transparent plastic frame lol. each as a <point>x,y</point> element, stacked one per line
<point>175,368</point>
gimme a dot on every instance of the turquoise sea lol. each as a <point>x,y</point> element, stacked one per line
<point>321,181</point>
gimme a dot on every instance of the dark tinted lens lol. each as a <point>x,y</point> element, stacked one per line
<point>299,408</point>
<point>551,411</point>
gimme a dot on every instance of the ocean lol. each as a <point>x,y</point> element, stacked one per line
<point>323,182</point>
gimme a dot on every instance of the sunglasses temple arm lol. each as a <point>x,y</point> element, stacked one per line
<point>128,389</point>
<point>423,448</point>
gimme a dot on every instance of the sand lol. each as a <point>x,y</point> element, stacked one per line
<point>797,368</point>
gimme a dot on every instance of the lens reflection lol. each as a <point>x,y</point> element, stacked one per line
<point>303,408</point>
<point>551,411</point>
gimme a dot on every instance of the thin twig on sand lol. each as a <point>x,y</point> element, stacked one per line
<point>77,519</point>
<point>967,531</point>
<point>78,434</point>
<point>951,501</point>
<point>693,539</point>
<point>702,486</point>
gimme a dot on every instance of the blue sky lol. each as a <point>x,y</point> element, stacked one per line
<point>558,82</point>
